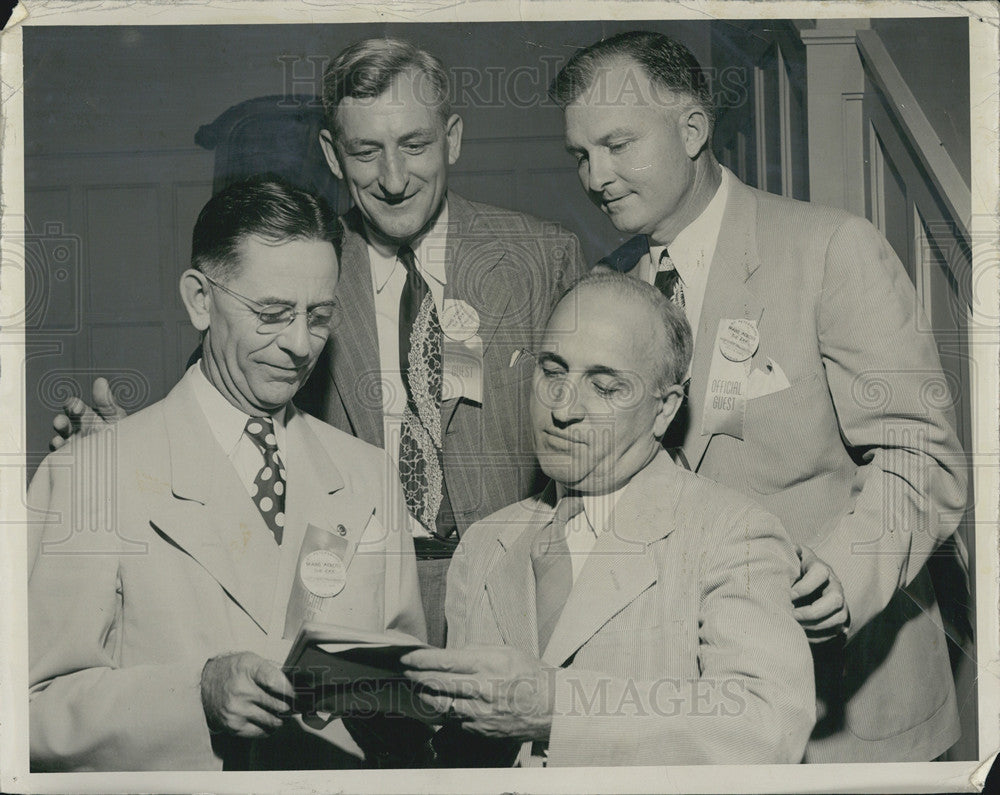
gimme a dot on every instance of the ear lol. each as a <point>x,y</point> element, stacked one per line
<point>330,153</point>
<point>669,403</point>
<point>453,132</point>
<point>197,298</point>
<point>695,130</point>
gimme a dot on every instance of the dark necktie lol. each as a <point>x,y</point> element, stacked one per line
<point>420,462</point>
<point>668,280</point>
<point>268,490</point>
<point>553,568</point>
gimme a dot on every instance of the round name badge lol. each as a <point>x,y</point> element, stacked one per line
<point>323,572</point>
<point>459,320</point>
<point>739,340</point>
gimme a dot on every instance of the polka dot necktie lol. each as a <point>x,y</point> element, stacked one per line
<point>268,491</point>
<point>668,280</point>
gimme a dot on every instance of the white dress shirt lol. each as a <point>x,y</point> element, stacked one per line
<point>229,423</point>
<point>584,528</point>
<point>388,280</point>
<point>691,252</point>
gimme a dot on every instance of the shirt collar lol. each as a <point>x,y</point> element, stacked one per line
<point>691,251</point>
<point>226,421</point>
<point>597,508</point>
<point>428,250</point>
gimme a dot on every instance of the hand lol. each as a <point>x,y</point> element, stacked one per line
<point>493,691</point>
<point>245,695</point>
<point>79,418</point>
<point>818,598</point>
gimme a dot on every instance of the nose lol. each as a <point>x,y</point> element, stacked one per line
<point>295,338</point>
<point>393,176</point>
<point>599,173</point>
<point>565,404</point>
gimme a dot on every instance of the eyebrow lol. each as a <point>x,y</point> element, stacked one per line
<point>423,132</point>
<point>545,357</point>
<point>618,132</point>
<point>269,300</point>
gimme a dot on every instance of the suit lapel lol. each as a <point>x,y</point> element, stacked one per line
<point>353,348</point>
<point>510,582</point>
<point>211,516</point>
<point>471,254</point>
<point>727,295</point>
<point>619,567</point>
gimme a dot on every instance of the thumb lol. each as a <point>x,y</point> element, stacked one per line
<point>104,402</point>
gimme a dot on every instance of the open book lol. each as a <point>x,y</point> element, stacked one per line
<point>348,671</point>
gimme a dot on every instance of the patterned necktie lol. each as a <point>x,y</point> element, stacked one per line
<point>668,280</point>
<point>268,490</point>
<point>550,560</point>
<point>420,461</point>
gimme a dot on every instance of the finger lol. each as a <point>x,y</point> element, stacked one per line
<point>811,581</point>
<point>832,624</point>
<point>57,442</point>
<point>447,684</point>
<point>827,605</point>
<point>74,408</point>
<point>104,401</point>
<point>448,660</point>
<point>270,678</point>
<point>260,721</point>
<point>271,705</point>
<point>61,424</point>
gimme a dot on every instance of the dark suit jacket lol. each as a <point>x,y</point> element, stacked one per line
<point>511,268</point>
<point>857,456</point>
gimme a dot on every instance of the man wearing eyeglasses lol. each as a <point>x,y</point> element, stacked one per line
<point>159,605</point>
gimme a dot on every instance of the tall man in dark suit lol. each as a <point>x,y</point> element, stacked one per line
<point>798,311</point>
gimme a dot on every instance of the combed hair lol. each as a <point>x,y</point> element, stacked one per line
<point>666,62</point>
<point>675,323</point>
<point>367,68</point>
<point>264,207</point>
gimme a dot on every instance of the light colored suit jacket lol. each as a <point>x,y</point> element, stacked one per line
<point>857,457</point>
<point>677,644</point>
<point>154,559</point>
<point>511,268</point>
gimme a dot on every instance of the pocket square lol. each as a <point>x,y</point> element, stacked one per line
<point>767,381</point>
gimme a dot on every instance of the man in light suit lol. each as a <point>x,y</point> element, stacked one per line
<point>159,608</point>
<point>633,612</point>
<point>813,388</point>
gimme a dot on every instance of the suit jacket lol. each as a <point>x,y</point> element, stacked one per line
<point>857,456</point>
<point>511,268</point>
<point>677,644</point>
<point>154,559</point>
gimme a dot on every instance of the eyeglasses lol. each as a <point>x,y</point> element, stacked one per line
<point>275,317</point>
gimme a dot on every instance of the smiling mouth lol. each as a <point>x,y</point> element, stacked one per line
<point>561,440</point>
<point>394,201</point>
<point>607,203</point>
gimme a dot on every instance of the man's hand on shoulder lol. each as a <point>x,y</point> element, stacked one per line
<point>79,418</point>
<point>245,695</point>
<point>492,691</point>
<point>818,597</point>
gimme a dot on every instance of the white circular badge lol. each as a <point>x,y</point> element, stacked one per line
<point>739,340</point>
<point>323,573</point>
<point>459,320</point>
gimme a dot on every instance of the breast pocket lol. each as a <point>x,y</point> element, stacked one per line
<point>790,436</point>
